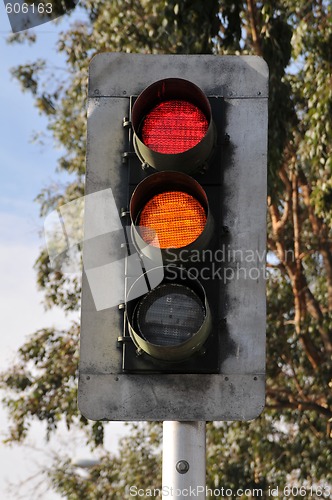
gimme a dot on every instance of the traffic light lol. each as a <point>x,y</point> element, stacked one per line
<point>173,135</point>
<point>173,126</point>
<point>179,143</point>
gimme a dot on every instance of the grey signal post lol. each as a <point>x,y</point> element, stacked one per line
<point>237,390</point>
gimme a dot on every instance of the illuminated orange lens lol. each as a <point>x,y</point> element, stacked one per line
<point>176,218</point>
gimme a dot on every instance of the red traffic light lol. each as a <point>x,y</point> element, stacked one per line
<point>173,127</point>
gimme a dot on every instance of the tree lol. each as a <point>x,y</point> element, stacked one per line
<point>290,441</point>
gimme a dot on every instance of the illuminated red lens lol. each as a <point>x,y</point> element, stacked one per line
<point>174,126</point>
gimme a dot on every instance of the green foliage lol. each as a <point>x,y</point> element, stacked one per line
<point>43,381</point>
<point>276,50</point>
<point>61,289</point>
<point>137,463</point>
<point>43,385</point>
<point>290,442</point>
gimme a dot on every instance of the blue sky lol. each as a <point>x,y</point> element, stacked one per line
<point>25,169</point>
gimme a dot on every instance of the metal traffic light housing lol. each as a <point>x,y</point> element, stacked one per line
<point>179,144</point>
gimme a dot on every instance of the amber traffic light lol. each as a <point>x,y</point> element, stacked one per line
<point>176,217</point>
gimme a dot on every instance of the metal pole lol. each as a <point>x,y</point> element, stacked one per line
<point>184,460</point>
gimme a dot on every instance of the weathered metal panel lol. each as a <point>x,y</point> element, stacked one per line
<point>174,397</point>
<point>232,76</point>
<point>237,392</point>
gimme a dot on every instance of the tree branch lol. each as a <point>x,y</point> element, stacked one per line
<point>301,406</point>
<point>320,230</point>
<point>253,27</point>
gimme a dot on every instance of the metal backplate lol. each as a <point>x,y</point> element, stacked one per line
<point>237,391</point>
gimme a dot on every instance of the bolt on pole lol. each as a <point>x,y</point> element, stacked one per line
<point>184,460</point>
